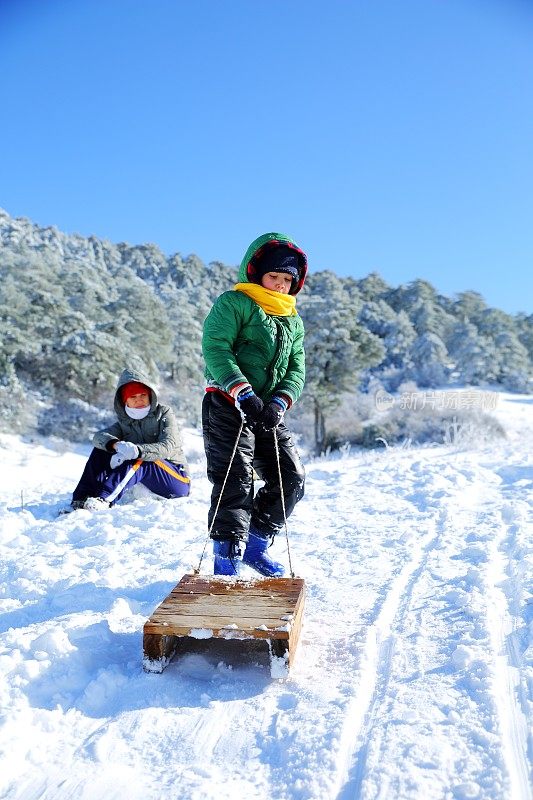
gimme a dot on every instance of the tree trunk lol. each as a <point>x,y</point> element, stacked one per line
<point>320,429</point>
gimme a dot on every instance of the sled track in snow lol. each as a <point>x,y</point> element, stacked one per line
<point>506,698</point>
<point>377,650</point>
<point>508,693</point>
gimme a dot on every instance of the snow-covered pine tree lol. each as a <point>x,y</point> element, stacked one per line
<point>473,356</point>
<point>337,346</point>
<point>514,366</point>
<point>372,287</point>
<point>428,311</point>
<point>397,334</point>
<point>468,307</point>
<point>524,330</point>
<point>430,361</point>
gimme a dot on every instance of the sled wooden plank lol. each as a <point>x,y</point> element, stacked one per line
<point>218,615</point>
<point>200,584</point>
<point>205,606</point>
<point>220,603</point>
<point>178,597</point>
<point>195,582</point>
<point>266,597</point>
<point>224,627</point>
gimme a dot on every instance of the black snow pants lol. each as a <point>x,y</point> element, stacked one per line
<point>238,507</point>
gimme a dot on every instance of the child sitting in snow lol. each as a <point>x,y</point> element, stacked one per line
<point>253,349</point>
<point>143,446</point>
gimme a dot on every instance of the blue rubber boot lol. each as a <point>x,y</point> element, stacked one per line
<point>256,556</point>
<point>228,556</point>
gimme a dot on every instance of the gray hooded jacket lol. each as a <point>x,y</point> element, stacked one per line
<point>157,435</point>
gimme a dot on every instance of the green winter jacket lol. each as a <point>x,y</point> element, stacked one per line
<point>241,343</point>
<point>157,435</point>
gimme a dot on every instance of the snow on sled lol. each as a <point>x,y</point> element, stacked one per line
<point>205,606</point>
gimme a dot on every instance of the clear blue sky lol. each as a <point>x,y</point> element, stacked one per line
<point>386,135</point>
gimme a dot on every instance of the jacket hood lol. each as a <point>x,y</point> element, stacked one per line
<point>258,247</point>
<point>127,376</point>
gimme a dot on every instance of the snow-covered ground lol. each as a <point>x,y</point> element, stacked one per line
<point>414,672</point>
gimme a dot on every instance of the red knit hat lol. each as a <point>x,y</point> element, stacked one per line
<point>131,388</point>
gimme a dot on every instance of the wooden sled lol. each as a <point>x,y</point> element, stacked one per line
<point>205,606</point>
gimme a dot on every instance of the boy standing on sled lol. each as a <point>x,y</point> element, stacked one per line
<point>142,446</point>
<point>255,367</point>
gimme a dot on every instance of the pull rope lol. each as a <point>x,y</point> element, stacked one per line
<point>197,570</point>
<point>282,496</point>
<point>276,448</point>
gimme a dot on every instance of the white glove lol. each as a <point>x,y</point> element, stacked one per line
<point>127,450</point>
<point>116,460</point>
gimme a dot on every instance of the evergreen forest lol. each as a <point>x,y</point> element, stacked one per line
<point>75,310</point>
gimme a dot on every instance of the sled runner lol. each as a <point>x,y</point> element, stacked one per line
<point>205,606</point>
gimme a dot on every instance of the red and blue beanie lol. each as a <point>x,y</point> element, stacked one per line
<point>131,388</point>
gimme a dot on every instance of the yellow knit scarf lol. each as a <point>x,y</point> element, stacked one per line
<point>275,303</point>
